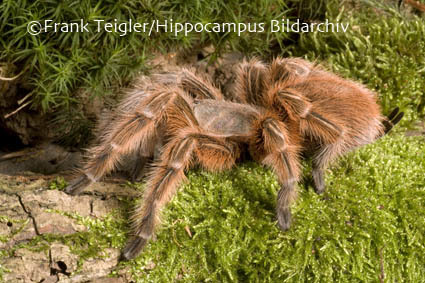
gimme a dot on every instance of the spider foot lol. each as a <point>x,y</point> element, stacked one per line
<point>133,248</point>
<point>319,189</point>
<point>318,181</point>
<point>138,169</point>
<point>77,185</point>
<point>137,174</point>
<point>284,218</point>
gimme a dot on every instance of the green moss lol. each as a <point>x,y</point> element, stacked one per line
<point>62,69</point>
<point>58,183</point>
<point>2,269</point>
<point>371,215</point>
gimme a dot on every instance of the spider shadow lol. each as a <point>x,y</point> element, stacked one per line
<point>266,197</point>
<point>263,199</point>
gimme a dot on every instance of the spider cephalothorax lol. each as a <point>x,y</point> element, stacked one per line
<point>279,111</point>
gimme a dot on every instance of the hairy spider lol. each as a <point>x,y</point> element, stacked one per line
<point>280,111</point>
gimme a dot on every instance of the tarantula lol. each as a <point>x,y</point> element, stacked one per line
<point>279,111</point>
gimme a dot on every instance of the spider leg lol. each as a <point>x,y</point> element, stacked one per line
<point>134,97</point>
<point>329,151</point>
<point>289,71</point>
<point>135,162</point>
<point>279,150</point>
<point>143,157</point>
<point>161,185</point>
<point>321,127</point>
<point>254,78</point>
<point>323,156</point>
<point>251,82</point>
<point>353,137</point>
<point>290,102</point>
<point>271,87</point>
<point>198,86</point>
<point>167,174</point>
<point>318,178</point>
<point>137,172</point>
<point>129,131</point>
<point>393,113</point>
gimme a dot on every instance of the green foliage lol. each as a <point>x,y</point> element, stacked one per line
<point>382,48</point>
<point>60,63</point>
<point>307,10</point>
<point>2,269</point>
<point>371,215</point>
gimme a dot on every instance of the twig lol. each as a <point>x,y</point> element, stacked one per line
<point>174,233</point>
<point>25,98</point>
<point>15,154</point>
<point>188,231</point>
<point>17,110</point>
<point>12,78</point>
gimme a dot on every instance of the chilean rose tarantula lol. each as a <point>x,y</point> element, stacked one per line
<point>279,112</point>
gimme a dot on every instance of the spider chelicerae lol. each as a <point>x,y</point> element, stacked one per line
<point>279,112</point>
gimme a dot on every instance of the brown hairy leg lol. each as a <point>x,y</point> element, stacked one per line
<point>254,78</point>
<point>136,130</point>
<point>289,71</point>
<point>331,151</point>
<point>167,175</point>
<point>137,172</point>
<point>251,82</point>
<point>318,178</point>
<point>312,123</point>
<point>271,88</point>
<point>198,86</point>
<point>276,146</point>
